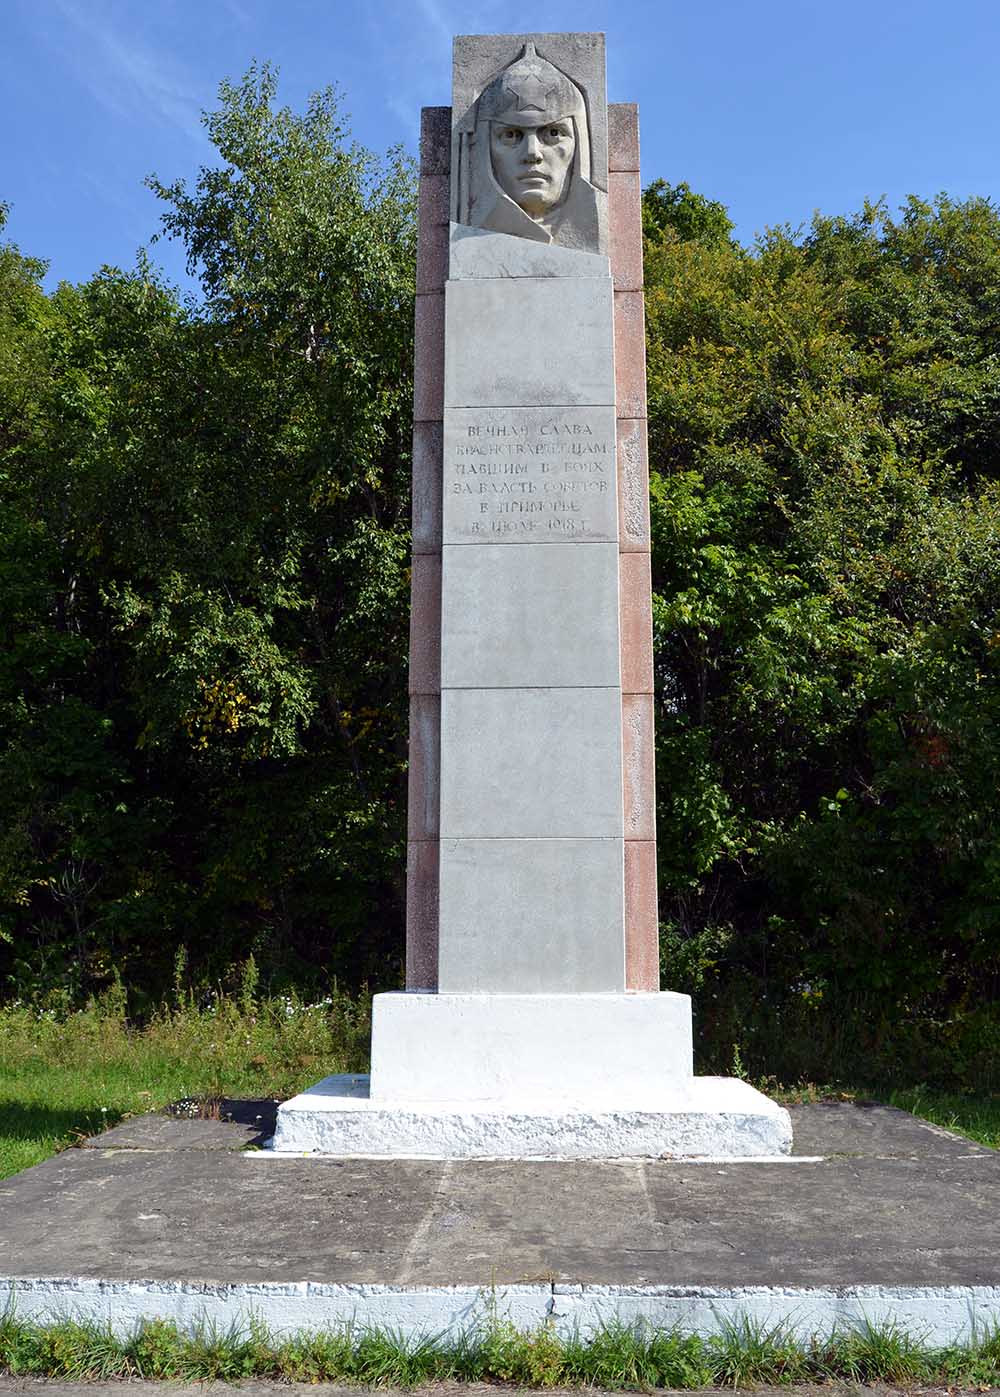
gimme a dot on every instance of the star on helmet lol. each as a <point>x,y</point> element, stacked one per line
<point>530,92</point>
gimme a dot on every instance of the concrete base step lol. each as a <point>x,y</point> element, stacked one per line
<point>705,1117</point>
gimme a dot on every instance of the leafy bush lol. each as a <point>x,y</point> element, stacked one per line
<point>203,578</point>
<point>826,532</point>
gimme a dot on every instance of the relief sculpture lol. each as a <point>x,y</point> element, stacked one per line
<point>525,158</point>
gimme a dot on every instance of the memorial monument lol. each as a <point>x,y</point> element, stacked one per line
<point>533,1023</point>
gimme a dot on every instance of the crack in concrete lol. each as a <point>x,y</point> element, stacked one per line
<point>422,1228</point>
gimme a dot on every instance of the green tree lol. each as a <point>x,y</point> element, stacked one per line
<point>677,209</point>
<point>826,521</point>
<point>205,516</point>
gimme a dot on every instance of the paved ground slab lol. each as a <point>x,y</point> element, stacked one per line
<point>894,1211</point>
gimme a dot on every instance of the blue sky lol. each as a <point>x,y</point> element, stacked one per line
<point>776,107</point>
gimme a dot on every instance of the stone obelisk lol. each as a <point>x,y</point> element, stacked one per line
<point>533,1023</point>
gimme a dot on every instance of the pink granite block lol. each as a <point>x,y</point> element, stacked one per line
<point>639,766</point>
<point>432,200</point>
<point>424,774</point>
<point>422,882</point>
<point>435,140</point>
<point>630,354</point>
<point>636,623</point>
<point>625,219</point>
<point>425,624</point>
<point>432,233</point>
<point>428,357</point>
<point>633,485</point>
<point>427,475</point>
<point>642,926</point>
<point>623,136</point>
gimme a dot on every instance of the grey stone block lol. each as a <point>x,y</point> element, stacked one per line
<point>529,342</point>
<point>541,912</point>
<point>530,615</point>
<point>535,763</point>
<point>630,1050</point>
<point>895,1203</point>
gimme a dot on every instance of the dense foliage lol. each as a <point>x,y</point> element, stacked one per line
<point>826,508</point>
<point>204,573</point>
<point>203,576</point>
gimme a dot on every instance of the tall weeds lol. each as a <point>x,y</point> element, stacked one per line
<point>618,1357</point>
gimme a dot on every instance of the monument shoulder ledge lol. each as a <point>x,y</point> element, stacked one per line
<point>482,253</point>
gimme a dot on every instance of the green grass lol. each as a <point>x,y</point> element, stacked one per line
<point>617,1357</point>
<point>978,1117</point>
<point>65,1077</point>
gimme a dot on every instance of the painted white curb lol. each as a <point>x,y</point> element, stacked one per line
<point>933,1315</point>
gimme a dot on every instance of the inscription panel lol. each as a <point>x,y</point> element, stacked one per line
<point>530,475</point>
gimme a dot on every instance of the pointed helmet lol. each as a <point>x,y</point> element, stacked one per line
<point>531,92</point>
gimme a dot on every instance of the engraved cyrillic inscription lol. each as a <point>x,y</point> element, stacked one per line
<point>529,475</point>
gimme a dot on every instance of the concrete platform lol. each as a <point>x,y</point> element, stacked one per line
<point>877,1214</point>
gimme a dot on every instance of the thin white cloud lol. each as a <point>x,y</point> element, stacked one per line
<point>110,192</point>
<point>425,29</point>
<point>437,16</point>
<point>125,74</point>
<point>450,17</point>
<point>407,113</point>
<point>241,15</point>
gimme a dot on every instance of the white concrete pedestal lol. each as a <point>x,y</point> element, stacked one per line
<point>582,1076</point>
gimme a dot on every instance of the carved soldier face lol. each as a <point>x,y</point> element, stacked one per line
<point>532,164</point>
